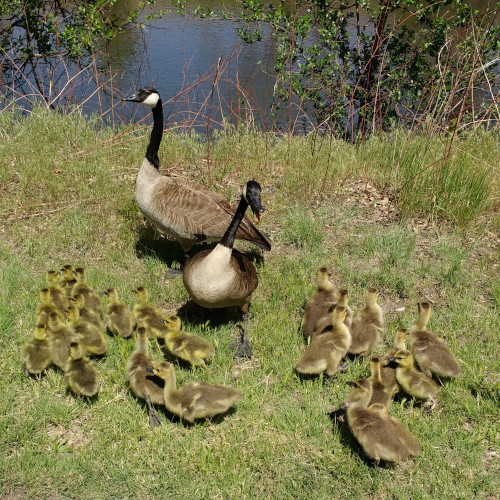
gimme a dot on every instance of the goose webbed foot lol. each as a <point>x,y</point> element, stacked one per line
<point>343,366</point>
<point>154,418</point>
<point>173,273</point>
<point>177,273</point>
<point>243,347</point>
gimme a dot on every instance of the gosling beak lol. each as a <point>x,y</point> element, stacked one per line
<point>391,359</point>
<point>149,369</point>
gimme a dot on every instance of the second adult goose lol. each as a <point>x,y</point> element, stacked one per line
<point>179,207</point>
<point>219,277</point>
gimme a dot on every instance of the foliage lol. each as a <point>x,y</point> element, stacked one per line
<point>360,78</point>
<point>36,34</point>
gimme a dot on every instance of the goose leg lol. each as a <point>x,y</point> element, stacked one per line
<point>243,347</point>
<point>177,273</point>
<point>154,418</point>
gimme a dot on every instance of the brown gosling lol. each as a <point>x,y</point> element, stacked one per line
<point>86,313</point>
<point>413,382</point>
<point>142,384</point>
<point>326,322</point>
<point>368,326</point>
<point>380,392</point>
<point>196,399</point>
<point>92,339</point>
<point>68,279</point>
<point>81,373</point>
<point>92,299</point>
<point>327,350</point>
<point>431,352</point>
<point>119,318</point>
<point>35,354</point>
<point>186,346</point>
<point>148,315</point>
<point>319,304</point>
<point>57,294</point>
<point>45,308</point>
<point>378,434</point>
<point>60,336</point>
<point>388,368</point>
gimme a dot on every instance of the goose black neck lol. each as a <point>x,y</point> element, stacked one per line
<point>156,135</point>
<point>228,238</point>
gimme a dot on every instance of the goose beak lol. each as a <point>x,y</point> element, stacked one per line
<point>257,209</point>
<point>132,98</point>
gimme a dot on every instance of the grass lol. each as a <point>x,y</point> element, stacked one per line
<point>67,196</point>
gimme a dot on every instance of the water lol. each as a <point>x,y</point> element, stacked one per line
<point>203,71</point>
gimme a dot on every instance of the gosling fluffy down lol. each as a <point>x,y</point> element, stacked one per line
<point>327,350</point>
<point>81,373</point>
<point>430,352</point>
<point>196,399</point>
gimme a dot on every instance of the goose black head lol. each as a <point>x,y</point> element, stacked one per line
<point>251,193</point>
<point>148,96</point>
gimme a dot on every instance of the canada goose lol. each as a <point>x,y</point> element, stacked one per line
<point>430,352</point>
<point>119,318</point>
<point>179,207</point>
<point>60,336</point>
<point>380,392</point>
<point>45,308</point>
<point>389,368</point>
<point>35,354</point>
<point>92,299</point>
<point>381,436</point>
<point>186,346</point>
<point>81,373</point>
<point>318,306</point>
<point>368,326</point>
<point>141,382</point>
<point>91,338</point>
<point>413,382</point>
<point>326,322</point>
<point>327,350</point>
<point>68,279</point>
<point>87,314</point>
<point>196,399</point>
<point>147,315</point>
<point>220,277</point>
<point>57,294</point>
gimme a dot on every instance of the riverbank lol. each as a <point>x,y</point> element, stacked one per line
<point>386,213</point>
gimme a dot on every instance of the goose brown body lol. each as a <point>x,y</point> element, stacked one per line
<point>180,207</point>
<point>220,278</point>
<point>431,352</point>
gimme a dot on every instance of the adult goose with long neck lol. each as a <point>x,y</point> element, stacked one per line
<point>219,277</point>
<point>180,207</point>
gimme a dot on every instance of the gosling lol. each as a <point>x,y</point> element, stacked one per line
<point>430,352</point>
<point>119,318</point>
<point>368,326</point>
<point>35,354</point>
<point>196,399</point>
<point>327,350</point>
<point>81,373</point>
<point>186,346</point>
